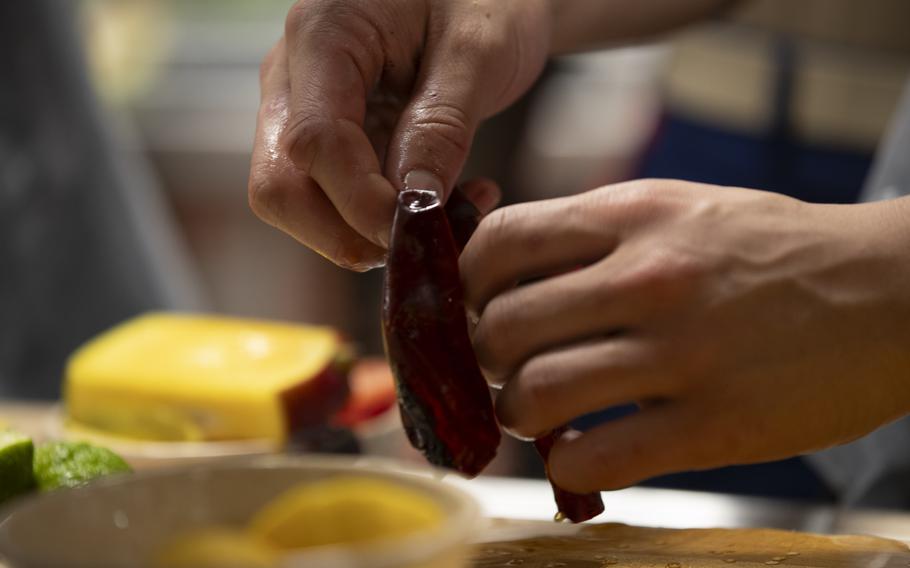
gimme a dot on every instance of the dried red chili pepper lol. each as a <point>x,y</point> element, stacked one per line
<point>574,506</point>
<point>444,400</point>
<point>463,218</point>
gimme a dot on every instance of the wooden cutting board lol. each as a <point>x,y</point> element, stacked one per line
<point>528,545</point>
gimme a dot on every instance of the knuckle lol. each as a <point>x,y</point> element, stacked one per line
<point>643,195</point>
<point>480,42</point>
<point>300,138</point>
<point>341,28</point>
<point>446,127</point>
<point>493,226</point>
<point>487,348</point>
<point>492,341</point>
<point>670,280</point>
<point>483,348</point>
<point>298,16</point>
<point>311,15</point>
<point>468,37</point>
<point>496,226</point>
<point>463,41</point>
<point>636,200</point>
<point>537,385</point>
<point>665,275</point>
<point>341,25</point>
<point>479,256</point>
<point>645,187</point>
<point>266,198</point>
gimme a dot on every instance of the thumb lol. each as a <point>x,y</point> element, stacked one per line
<point>434,132</point>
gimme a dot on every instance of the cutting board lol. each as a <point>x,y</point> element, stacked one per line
<point>536,545</point>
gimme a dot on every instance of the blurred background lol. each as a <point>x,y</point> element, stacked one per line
<point>184,76</point>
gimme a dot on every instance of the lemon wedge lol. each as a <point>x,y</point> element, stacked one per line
<point>216,548</point>
<point>343,510</point>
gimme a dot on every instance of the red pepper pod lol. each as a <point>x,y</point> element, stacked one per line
<point>444,400</point>
<point>463,218</point>
<point>574,506</point>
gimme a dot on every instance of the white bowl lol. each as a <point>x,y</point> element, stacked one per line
<point>125,520</point>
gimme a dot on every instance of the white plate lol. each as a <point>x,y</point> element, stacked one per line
<point>148,454</point>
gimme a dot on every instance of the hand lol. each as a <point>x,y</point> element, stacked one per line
<point>362,98</point>
<point>748,326</point>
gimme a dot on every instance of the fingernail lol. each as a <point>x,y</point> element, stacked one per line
<point>363,264</point>
<point>368,266</point>
<point>355,258</point>
<point>518,436</point>
<point>570,434</point>
<point>423,179</point>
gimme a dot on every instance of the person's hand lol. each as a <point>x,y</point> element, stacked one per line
<point>748,326</point>
<point>362,98</point>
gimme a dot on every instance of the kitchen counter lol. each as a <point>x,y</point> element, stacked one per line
<point>529,499</point>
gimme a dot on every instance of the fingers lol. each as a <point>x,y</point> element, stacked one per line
<point>555,387</point>
<point>332,70</point>
<point>299,208</point>
<point>522,242</point>
<point>530,240</point>
<point>653,441</point>
<point>583,304</point>
<point>285,197</point>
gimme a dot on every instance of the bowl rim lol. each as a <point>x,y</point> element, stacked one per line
<point>57,426</point>
<point>459,525</point>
